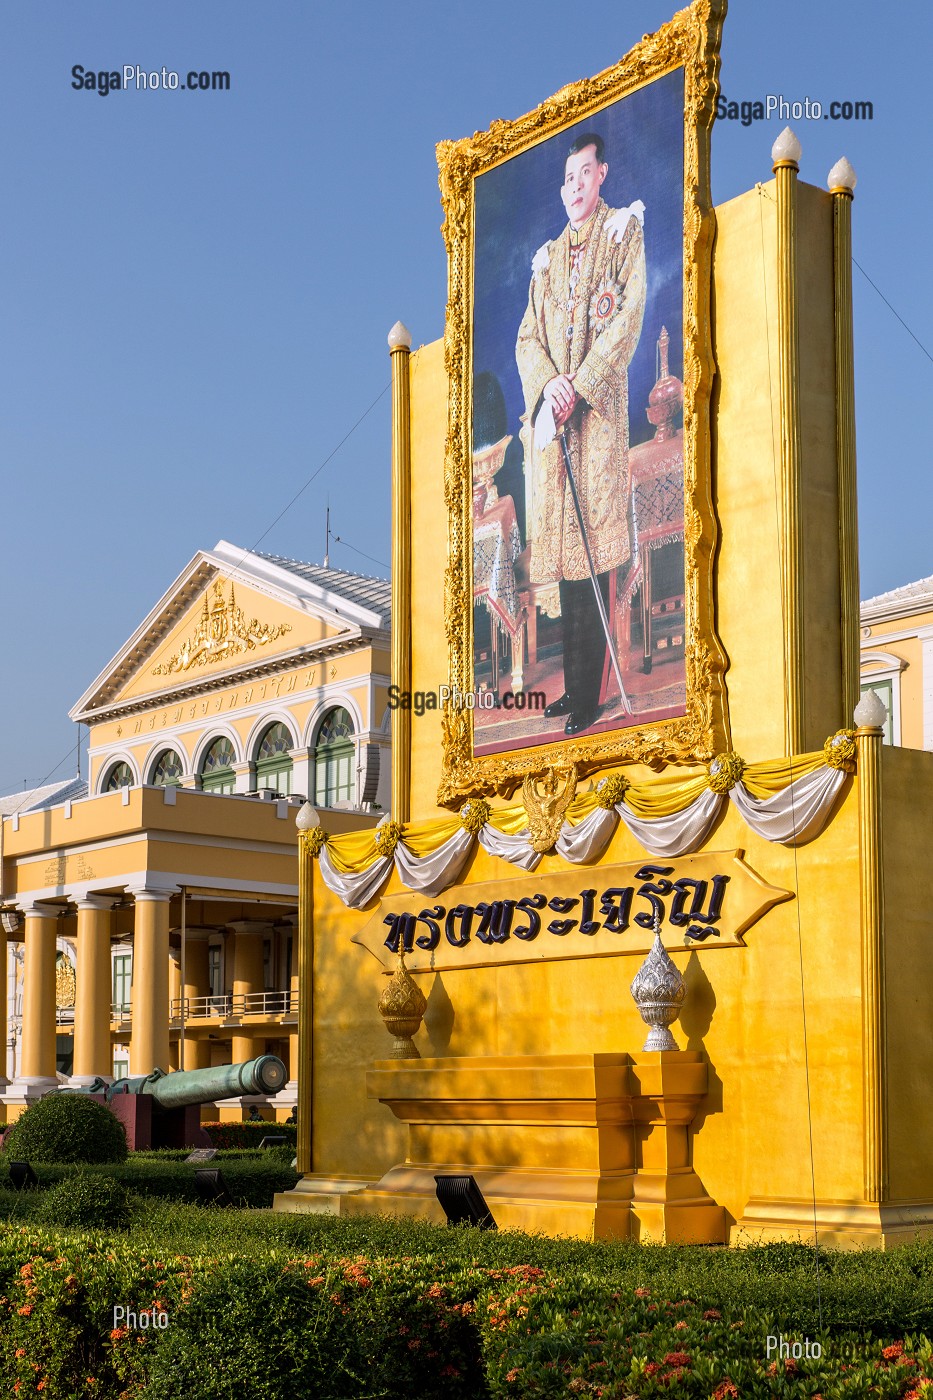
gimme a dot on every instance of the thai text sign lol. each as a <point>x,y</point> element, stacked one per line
<point>701,901</point>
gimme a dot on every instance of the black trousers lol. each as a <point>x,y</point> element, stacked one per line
<point>584,640</point>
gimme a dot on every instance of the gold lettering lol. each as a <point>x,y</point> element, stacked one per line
<point>248,696</point>
<point>192,712</point>
<point>152,721</point>
<point>176,717</point>
<point>233,699</point>
<point>139,725</point>
<point>262,693</point>
<point>219,703</point>
<point>292,682</point>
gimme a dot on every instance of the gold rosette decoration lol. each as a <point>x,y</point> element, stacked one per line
<point>474,815</point>
<point>387,836</point>
<point>724,771</point>
<point>314,840</point>
<point>610,790</point>
<point>840,750</point>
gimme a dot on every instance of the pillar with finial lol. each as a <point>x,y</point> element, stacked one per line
<point>399,350</point>
<point>785,154</point>
<point>841,181</point>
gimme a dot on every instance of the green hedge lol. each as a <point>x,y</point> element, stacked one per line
<point>251,1181</point>
<point>66,1128</point>
<point>249,1134</point>
<point>323,1325</point>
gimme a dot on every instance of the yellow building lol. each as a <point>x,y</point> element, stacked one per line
<point>151,917</point>
<point>756,861</point>
<point>897,661</point>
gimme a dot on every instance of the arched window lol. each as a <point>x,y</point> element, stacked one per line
<point>120,776</point>
<point>217,767</point>
<point>334,754</point>
<point>167,770</point>
<point>274,759</point>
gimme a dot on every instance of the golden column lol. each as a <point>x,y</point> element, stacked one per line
<point>399,349</point>
<point>786,153</point>
<point>841,181</point>
<point>310,840</point>
<point>149,996</point>
<point>38,1061</point>
<point>869,716</point>
<point>93,990</point>
<point>4,1008</point>
<point>248,938</point>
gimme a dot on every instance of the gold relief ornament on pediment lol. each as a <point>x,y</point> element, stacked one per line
<point>688,42</point>
<point>223,631</point>
<point>701,902</point>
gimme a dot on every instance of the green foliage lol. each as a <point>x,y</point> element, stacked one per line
<point>252,1180</point>
<point>249,1134</point>
<point>66,1128</point>
<point>89,1200</point>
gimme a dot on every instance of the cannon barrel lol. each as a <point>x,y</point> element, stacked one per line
<point>264,1075</point>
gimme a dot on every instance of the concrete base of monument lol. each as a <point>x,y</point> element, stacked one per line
<point>835,1224</point>
<point>318,1195</point>
<point>594,1146</point>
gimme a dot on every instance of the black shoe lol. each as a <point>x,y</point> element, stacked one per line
<point>558,707</point>
<point>580,720</point>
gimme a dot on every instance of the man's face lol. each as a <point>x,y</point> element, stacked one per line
<point>583,176</point>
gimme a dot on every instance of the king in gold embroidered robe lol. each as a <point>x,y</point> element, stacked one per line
<point>586,325</point>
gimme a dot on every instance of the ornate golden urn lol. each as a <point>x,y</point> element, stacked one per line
<point>402,1006</point>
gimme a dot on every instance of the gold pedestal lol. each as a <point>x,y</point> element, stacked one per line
<point>594,1146</point>
<point>835,1224</point>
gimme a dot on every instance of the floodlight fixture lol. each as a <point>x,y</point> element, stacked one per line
<point>22,1176</point>
<point>463,1202</point>
<point>275,1140</point>
<point>211,1187</point>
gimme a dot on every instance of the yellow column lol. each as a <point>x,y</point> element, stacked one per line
<point>37,1065</point>
<point>247,980</point>
<point>786,153</point>
<point>841,186</point>
<point>400,347</point>
<point>93,991</point>
<point>149,1039</point>
<point>869,714</point>
<point>305,1003</point>
<point>4,1007</point>
<point>197,1051</point>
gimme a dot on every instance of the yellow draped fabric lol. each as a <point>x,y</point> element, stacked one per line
<point>354,851</point>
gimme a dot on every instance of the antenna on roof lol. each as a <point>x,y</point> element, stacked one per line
<point>327,538</point>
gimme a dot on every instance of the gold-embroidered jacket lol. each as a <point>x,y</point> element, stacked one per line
<point>588,328</point>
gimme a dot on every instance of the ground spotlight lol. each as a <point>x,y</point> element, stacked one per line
<point>22,1175</point>
<point>463,1203</point>
<point>211,1187</point>
<point>275,1140</point>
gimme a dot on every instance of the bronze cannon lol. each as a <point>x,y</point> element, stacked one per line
<point>163,1110</point>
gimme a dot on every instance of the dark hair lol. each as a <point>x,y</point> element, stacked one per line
<point>589,138</point>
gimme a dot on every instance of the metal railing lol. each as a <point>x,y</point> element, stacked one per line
<point>227,1005</point>
<point>120,1011</point>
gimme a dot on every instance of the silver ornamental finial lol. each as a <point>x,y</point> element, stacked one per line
<point>659,991</point>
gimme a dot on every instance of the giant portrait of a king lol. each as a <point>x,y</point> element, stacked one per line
<point>588,611</point>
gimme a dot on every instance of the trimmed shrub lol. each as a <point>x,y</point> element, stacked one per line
<point>252,1182</point>
<point>88,1200</point>
<point>249,1134</point>
<point>66,1128</point>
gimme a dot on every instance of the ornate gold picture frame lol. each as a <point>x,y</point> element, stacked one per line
<point>689,43</point>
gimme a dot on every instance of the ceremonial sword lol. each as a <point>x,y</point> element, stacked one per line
<point>626,704</point>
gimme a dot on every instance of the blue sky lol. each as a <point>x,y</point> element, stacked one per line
<point>195,288</point>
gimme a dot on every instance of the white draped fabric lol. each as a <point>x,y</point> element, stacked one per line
<point>589,838</point>
<point>517,850</point>
<point>355,888</point>
<point>681,831</point>
<point>796,814</point>
<point>433,873</point>
<point>792,816</point>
